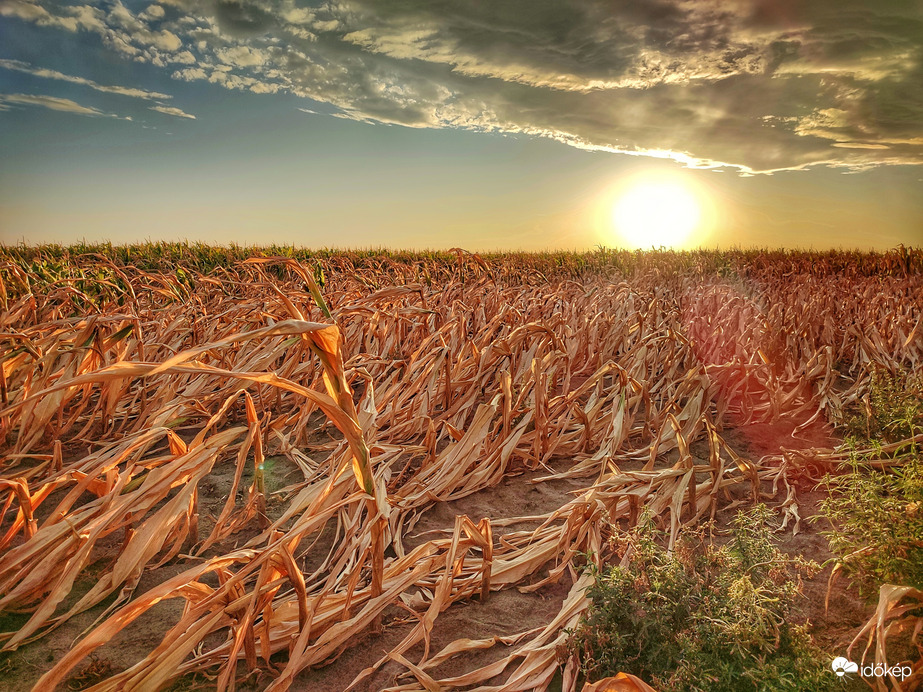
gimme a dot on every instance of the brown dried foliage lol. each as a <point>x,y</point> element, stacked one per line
<point>117,406</point>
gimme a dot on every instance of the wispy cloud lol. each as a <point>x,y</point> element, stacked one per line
<point>760,85</point>
<point>20,66</point>
<point>171,110</point>
<point>56,104</point>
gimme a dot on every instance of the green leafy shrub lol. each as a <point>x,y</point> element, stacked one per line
<point>875,508</point>
<point>877,522</point>
<point>702,617</point>
<point>891,411</point>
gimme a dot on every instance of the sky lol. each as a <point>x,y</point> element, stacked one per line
<point>484,124</point>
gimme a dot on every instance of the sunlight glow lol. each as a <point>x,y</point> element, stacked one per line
<point>657,212</point>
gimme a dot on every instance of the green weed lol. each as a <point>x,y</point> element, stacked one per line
<point>703,617</point>
<point>876,519</point>
<point>875,508</point>
<point>891,411</point>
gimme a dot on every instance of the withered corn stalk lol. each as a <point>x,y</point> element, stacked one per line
<point>122,395</point>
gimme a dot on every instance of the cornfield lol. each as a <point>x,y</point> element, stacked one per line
<point>394,383</point>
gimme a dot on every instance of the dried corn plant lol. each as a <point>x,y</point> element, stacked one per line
<point>127,380</point>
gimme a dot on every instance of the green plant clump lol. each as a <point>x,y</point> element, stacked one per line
<point>875,508</point>
<point>702,617</point>
<point>892,411</point>
<point>877,520</point>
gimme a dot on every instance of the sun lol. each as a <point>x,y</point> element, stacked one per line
<point>657,212</point>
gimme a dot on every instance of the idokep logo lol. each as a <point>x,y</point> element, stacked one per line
<point>841,666</point>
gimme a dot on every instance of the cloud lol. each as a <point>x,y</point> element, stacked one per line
<point>19,66</point>
<point>56,104</point>
<point>172,110</point>
<point>243,56</point>
<point>31,12</point>
<point>756,85</point>
<point>153,12</point>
